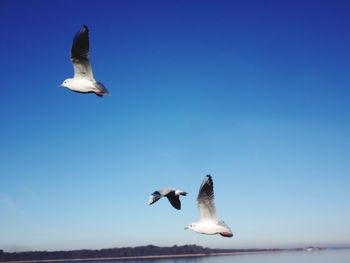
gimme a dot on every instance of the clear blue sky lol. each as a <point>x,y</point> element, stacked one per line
<point>256,93</point>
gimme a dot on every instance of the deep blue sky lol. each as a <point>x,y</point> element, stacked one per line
<point>256,93</point>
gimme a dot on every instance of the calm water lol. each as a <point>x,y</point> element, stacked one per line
<point>325,256</point>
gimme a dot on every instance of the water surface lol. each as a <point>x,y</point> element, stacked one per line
<point>324,256</point>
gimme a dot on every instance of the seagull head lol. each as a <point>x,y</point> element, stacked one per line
<point>191,226</point>
<point>66,83</point>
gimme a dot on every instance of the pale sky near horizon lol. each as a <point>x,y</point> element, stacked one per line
<point>255,93</point>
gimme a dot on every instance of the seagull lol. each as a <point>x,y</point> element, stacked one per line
<point>173,196</point>
<point>83,80</point>
<point>208,223</point>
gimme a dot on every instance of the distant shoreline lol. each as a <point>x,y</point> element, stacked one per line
<point>141,252</point>
<point>147,257</point>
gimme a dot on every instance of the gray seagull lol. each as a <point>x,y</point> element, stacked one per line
<point>173,196</point>
<point>83,80</point>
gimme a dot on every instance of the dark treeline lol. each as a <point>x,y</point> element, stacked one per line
<point>149,250</point>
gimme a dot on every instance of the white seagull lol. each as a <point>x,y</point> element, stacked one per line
<point>83,80</point>
<point>173,196</point>
<point>208,223</point>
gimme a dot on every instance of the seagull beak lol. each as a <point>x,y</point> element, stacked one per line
<point>185,228</point>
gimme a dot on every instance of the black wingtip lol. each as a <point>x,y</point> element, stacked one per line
<point>208,180</point>
<point>80,45</point>
<point>83,29</point>
<point>177,206</point>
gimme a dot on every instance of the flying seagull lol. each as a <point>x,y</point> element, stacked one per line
<point>83,80</point>
<point>208,223</point>
<point>173,196</point>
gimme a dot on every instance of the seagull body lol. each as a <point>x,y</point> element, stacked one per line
<point>212,228</point>
<point>173,196</point>
<point>83,80</point>
<point>208,223</point>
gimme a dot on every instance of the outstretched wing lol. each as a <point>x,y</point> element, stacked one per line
<point>205,200</point>
<point>174,200</point>
<point>154,197</point>
<point>79,54</point>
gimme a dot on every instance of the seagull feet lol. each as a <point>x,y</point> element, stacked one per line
<point>226,234</point>
<point>99,93</point>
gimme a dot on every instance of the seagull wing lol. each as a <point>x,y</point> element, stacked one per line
<point>174,200</point>
<point>205,200</point>
<point>154,197</point>
<point>79,54</point>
